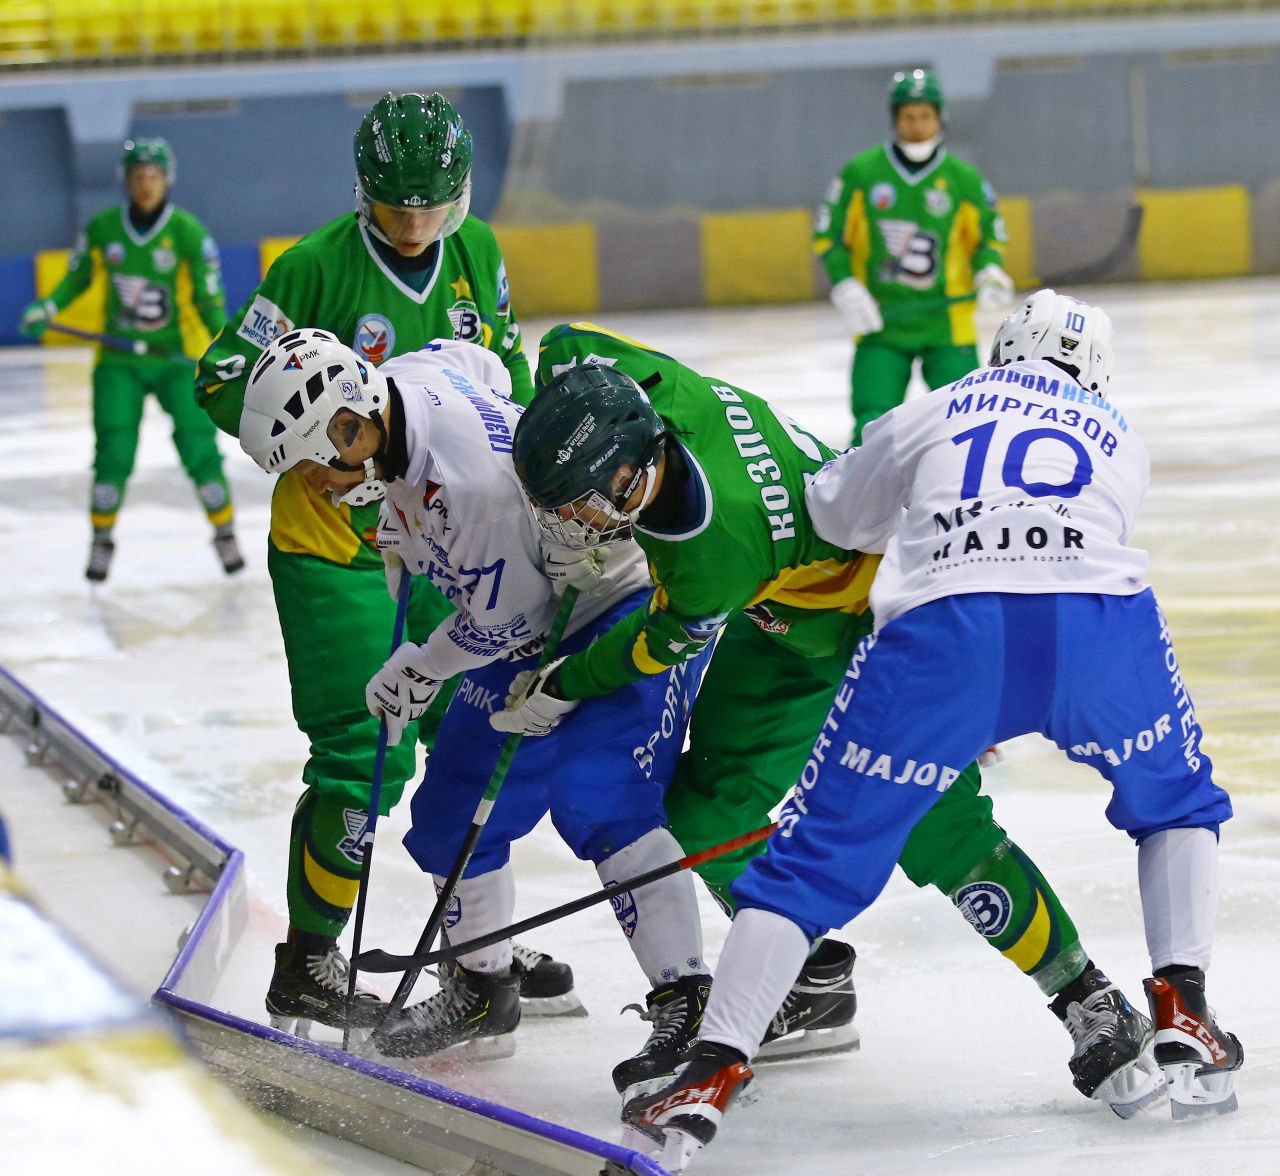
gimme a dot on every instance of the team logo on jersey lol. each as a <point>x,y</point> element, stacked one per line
<point>465,317</point>
<point>504,289</point>
<point>209,250</point>
<point>937,201</point>
<point>375,337</point>
<point>262,322</point>
<point>883,196</point>
<point>164,259</point>
<point>558,369</point>
<point>624,910</point>
<point>986,905</point>
<point>114,253</point>
<point>352,845</point>
<point>763,616</point>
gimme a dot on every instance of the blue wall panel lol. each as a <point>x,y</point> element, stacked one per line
<point>36,184</point>
<point>17,288</point>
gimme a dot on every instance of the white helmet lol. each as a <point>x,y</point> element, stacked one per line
<point>1072,334</point>
<point>299,382</point>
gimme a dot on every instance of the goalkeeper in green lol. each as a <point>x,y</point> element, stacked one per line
<point>147,248</point>
<point>910,237</point>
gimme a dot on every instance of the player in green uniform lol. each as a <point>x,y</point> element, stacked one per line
<point>910,237</point>
<point>144,246</point>
<point>710,480</point>
<point>408,267</point>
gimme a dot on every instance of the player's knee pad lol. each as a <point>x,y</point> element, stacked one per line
<point>1011,904</point>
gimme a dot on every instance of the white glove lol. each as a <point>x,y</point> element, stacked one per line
<point>567,567</point>
<point>994,288</point>
<point>861,312</point>
<point>400,692</point>
<point>530,710</point>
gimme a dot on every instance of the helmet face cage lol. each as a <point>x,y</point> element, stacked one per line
<point>458,209</point>
<point>299,383</point>
<point>577,534</point>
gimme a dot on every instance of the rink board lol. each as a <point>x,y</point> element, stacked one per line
<point>400,1115</point>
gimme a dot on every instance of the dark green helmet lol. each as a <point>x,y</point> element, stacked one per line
<point>583,427</point>
<point>915,85</point>
<point>413,151</point>
<point>138,152</point>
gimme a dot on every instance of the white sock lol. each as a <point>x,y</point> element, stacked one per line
<point>660,920</point>
<point>761,959</point>
<point>481,905</point>
<point>1178,882</point>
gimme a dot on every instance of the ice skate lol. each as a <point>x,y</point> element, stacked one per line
<point>681,1118</point>
<point>546,984</point>
<point>675,1011</point>
<point>1112,1060</point>
<point>100,554</point>
<point>310,984</point>
<point>228,552</point>
<point>474,1012</point>
<point>1199,1059</point>
<point>817,1015</point>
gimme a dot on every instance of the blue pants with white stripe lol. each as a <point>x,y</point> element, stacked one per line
<point>601,773</point>
<point>938,685</point>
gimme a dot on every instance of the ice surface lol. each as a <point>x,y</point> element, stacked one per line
<point>180,673</point>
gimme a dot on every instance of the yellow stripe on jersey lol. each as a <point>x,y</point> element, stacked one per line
<point>965,237</point>
<point>644,661</point>
<point>857,235</point>
<point>334,889</point>
<point>1028,952</point>
<point>596,329</point>
<point>305,522</point>
<point>827,585</point>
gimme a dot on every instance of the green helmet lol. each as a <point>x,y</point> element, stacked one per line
<point>414,151</point>
<point>915,85</point>
<point>583,427</point>
<point>138,152</point>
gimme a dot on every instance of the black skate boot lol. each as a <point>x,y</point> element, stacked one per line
<point>228,552</point>
<point>310,984</point>
<point>675,1011</point>
<point>478,1010</point>
<point>546,985</point>
<point>683,1117</point>
<point>1199,1059</point>
<point>100,554</point>
<point>817,1016</point>
<point>1112,1059</point>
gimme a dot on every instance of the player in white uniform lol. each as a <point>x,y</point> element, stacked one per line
<point>436,425</point>
<point>1009,600</point>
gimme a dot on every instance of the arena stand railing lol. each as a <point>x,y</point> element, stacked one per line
<point>55,33</point>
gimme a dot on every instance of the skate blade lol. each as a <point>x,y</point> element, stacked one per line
<point>565,1005</point>
<point>297,1026</point>
<point>1133,1088</point>
<point>837,1039</point>
<point>678,1149</point>
<point>1193,1095</point>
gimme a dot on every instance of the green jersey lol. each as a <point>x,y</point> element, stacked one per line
<point>748,544</point>
<point>914,239</point>
<point>146,275</point>
<point>336,279</point>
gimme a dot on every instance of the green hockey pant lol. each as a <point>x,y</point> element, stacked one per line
<point>120,387</point>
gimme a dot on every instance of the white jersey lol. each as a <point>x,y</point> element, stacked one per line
<point>459,515</point>
<point>1012,479</point>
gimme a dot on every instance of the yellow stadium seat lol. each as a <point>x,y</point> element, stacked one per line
<point>420,20</point>
<point>507,19</point>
